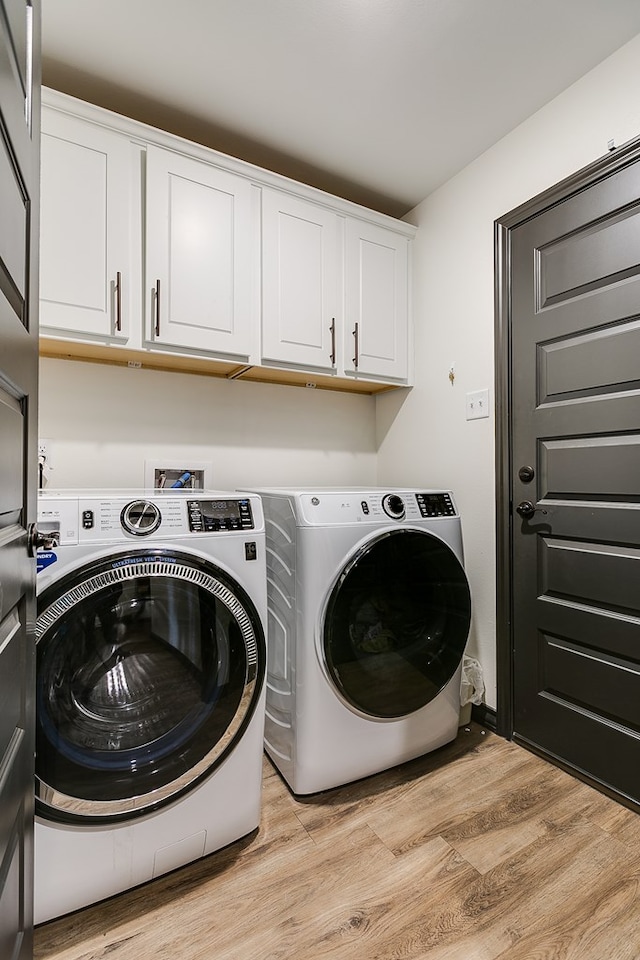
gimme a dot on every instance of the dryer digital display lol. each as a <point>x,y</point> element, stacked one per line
<point>435,504</point>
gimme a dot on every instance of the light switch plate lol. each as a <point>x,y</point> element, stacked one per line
<point>477,404</point>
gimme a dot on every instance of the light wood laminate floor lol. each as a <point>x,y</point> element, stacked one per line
<point>478,851</point>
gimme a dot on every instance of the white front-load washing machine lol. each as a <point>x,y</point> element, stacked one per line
<point>369,610</point>
<point>150,686</point>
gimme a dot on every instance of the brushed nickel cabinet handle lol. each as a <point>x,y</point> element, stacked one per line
<point>332,328</point>
<point>355,336</point>
<point>157,308</point>
<point>118,302</point>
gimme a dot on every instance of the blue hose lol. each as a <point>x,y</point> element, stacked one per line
<point>182,481</point>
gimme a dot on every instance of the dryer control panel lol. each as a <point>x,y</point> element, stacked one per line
<point>435,504</point>
<point>374,506</point>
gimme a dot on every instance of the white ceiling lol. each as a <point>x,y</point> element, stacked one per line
<point>376,100</point>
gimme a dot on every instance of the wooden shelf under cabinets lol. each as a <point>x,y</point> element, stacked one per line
<point>202,366</point>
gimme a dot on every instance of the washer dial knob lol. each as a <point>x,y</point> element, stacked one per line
<point>393,506</point>
<point>140,518</point>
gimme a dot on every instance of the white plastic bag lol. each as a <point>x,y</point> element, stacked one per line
<point>472,682</point>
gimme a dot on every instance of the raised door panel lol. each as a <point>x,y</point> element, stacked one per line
<point>19,96</point>
<point>85,245</point>
<point>301,245</point>
<point>13,234</point>
<point>377,321</point>
<point>200,275</point>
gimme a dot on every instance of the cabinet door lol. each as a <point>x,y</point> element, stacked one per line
<point>85,245</point>
<point>200,276</point>
<point>300,275</point>
<point>376,293</point>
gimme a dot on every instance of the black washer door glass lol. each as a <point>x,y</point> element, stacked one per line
<point>396,623</point>
<point>140,682</point>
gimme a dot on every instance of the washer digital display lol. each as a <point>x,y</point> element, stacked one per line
<point>221,509</point>
<point>220,515</point>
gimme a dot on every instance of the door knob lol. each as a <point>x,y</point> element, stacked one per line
<point>526,509</point>
<point>36,539</point>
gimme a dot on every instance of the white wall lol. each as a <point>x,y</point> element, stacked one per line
<point>423,437</point>
<point>105,421</point>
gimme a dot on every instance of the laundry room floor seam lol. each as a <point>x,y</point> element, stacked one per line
<point>477,850</point>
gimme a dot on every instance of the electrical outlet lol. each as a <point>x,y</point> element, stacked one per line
<point>477,404</point>
<point>44,462</point>
<point>44,451</point>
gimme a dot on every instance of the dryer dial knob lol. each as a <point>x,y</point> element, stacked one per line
<point>393,506</point>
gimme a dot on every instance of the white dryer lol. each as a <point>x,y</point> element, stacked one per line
<point>150,686</point>
<point>368,617</point>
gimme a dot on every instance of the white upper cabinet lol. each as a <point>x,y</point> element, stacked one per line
<point>193,260</point>
<point>301,258</point>
<point>199,256</point>
<point>85,239</point>
<point>376,297</point>
<point>335,291</point>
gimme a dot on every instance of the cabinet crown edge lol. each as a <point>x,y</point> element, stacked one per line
<point>144,133</point>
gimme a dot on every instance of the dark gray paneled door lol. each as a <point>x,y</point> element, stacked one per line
<point>575,479</point>
<point>19,180</point>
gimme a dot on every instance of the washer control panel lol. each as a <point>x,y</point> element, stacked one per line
<point>67,518</point>
<point>227,514</point>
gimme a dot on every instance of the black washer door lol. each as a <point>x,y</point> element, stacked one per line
<point>149,666</point>
<point>396,623</point>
